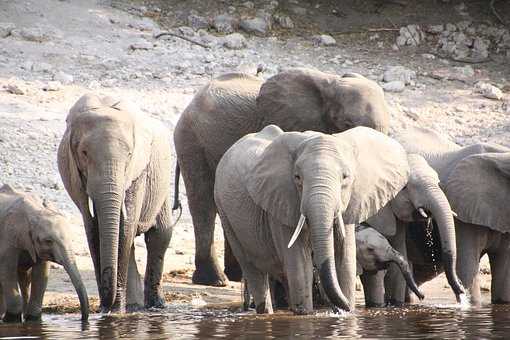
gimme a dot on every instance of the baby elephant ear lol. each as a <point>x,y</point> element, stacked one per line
<point>271,184</point>
<point>384,221</point>
<point>381,170</point>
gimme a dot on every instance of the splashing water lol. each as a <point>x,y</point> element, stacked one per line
<point>430,243</point>
<point>464,301</point>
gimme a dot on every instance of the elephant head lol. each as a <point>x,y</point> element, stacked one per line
<point>104,149</point>
<point>318,182</point>
<point>374,253</point>
<point>423,198</point>
<point>43,233</point>
<point>298,98</point>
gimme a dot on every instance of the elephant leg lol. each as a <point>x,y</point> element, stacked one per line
<point>345,261</point>
<point>394,283</point>
<point>9,283</point>
<point>92,232</point>
<point>157,240</point>
<point>470,242</point>
<point>299,274</point>
<point>199,181</point>
<point>134,285</point>
<point>24,278</point>
<point>258,286</point>
<point>500,269</point>
<point>40,273</point>
<point>232,267</point>
<point>2,302</point>
<point>373,288</point>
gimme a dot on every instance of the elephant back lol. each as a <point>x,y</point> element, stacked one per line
<point>222,112</point>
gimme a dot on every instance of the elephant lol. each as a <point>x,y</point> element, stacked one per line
<point>233,105</point>
<point>476,181</point>
<point>32,233</point>
<point>421,197</point>
<point>270,181</point>
<point>374,253</point>
<point>114,164</point>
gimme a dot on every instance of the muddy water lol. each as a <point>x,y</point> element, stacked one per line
<point>185,322</point>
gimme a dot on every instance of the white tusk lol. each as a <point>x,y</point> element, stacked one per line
<point>453,213</point>
<point>91,207</point>
<point>123,210</point>
<point>340,224</point>
<point>299,227</point>
<point>423,213</point>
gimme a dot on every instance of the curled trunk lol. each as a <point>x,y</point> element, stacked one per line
<point>441,211</point>
<point>402,264</point>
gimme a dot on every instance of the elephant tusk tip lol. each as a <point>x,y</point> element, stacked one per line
<point>454,213</point>
<point>423,213</point>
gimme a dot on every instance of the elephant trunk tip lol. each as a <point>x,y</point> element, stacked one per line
<point>451,275</point>
<point>332,288</point>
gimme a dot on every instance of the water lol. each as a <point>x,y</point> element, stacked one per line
<point>186,322</point>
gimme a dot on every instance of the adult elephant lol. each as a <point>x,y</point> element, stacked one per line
<point>234,105</point>
<point>114,164</point>
<point>422,197</point>
<point>476,181</point>
<point>271,181</point>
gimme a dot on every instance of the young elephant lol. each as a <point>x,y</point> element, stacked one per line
<point>31,234</point>
<point>115,163</point>
<point>270,181</point>
<point>374,253</point>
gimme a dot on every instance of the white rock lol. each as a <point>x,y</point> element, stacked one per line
<point>41,67</point>
<point>324,40</point>
<point>37,34</point>
<point>248,4</point>
<point>428,56</point>
<point>410,35</point>
<point>141,45</point>
<point>401,73</point>
<point>234,41</point>
<point>6,29</point>
<point>225,23</point>
<point>394,86</point>
<point>489,91</point>
<point>256,25</point>
<point>52,86</point>
<point>198,22</point>
<point>63,77</point>
<point>15,89</point>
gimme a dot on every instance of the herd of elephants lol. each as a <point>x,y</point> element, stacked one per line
<point>310,189</point>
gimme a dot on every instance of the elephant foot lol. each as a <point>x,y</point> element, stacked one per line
<point>370,304</point>
<point>155,301</point>
<point>10,317</point>
<point>280,296</point>
<point>133,308</point>
<point>207,273</point>
<point>234,273</point>
<point>30,317</point>
<point>394,303</point>
<point>300,310</point>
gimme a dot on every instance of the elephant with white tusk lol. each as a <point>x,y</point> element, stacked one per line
<point>32,233</point>
<point>114,164</point>
<point>233,105</point>
<point>282,195</point>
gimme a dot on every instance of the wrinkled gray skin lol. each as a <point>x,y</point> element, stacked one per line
<point>32,233</point>
<point>374,253</point>
<point>476,181</point>
<point>393,221</point>
<point>269,180</point>
<point>114,164</point>
<point>231,106</point>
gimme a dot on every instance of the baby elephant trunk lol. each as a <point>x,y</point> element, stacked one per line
<point>72,270</point>
<point>402,264</point>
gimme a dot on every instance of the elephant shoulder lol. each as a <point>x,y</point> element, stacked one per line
<point>425,141</point>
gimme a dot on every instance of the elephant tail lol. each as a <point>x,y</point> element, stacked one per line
<point>177,201</point>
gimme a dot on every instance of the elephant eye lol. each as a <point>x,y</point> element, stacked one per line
<point>48,241</point>
<point>84,152</point>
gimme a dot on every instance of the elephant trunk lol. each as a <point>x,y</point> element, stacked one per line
<point>403,265</point>
<point>320,211</point>
<point>72,270</point>
<point>441,211</point>
<point>108,198</point>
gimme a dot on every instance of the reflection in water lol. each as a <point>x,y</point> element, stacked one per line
<point>182,321</point>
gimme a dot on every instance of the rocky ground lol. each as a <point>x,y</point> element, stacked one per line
<point>448,71</point>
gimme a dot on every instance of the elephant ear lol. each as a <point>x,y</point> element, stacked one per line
<point>69,172</point>
<point>381,171</point>
<point>384,221</point>
<point>294,100</point>
<point>478,189</point>
<point>270,184</point>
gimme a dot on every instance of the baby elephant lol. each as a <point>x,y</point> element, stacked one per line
<point>31,234</point>
<point>374,253</point>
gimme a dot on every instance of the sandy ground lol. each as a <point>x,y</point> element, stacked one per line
<point>99,48</point>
